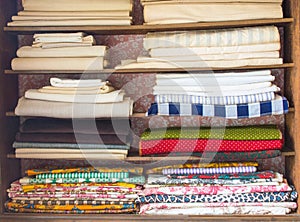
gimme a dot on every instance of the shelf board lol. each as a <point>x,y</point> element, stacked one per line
<point>146,159</point>
<point>152,70</point>
<point>143,29</point>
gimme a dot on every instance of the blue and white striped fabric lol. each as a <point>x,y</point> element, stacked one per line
<point>185,171</point>
<point>248,110</point>
<point>214,100</point>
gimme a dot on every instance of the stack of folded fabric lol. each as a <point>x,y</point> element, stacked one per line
<point>232,95</point>
<point>220,48</point>
<point>63,138</point>
<point>189,11</point>
<point>60,51</point>
<point>73,13</point>
<point>239,143</point>
<point>72,98</point>
<point>216,189</point>
<point>79,191</point>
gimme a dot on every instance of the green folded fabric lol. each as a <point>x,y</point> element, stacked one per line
<point>269,132</point>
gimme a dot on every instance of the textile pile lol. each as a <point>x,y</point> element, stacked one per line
<point>239,143</point>
<point>76,191</point>
<point>220,48</point>
<point>61,51</point>
<point>216,189</point>
<point>73,13</point>
<point>192,11</point>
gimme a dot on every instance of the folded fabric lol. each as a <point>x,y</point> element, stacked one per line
<point>136,170</point>
<point>70,22</point>
<point>81,126</point>
<point>97,155</point>
<point>221,208</point>
<point>203,1</point>
<point>92,51</point>
<point>249,110</point>
<point>206,145</point>
<point>208,57</point>
<point>78,83</point>
<point>59,37</point>
<point>30,107</point>
<point>79,63</point>
<point>207,12</point>
<point>49,45</point>
<point>109,139</point>
<point>198,51</point>
<point>84,175</point>
<point>226,156</point>
<point>20,145</point>
<point>136,180</point>
<point>63,17</point>
<point>111,97</point>
<point>75,5</point>
<point>214,100</point>
<point>210,74</point>
<point>228,210</point>
<point>213,38</point>
<point>259,132</point>
<point>120,13</point>
<point>232,198</point>
<point>46,151</point>
<point>266,87</point>
<point>159,169</point>
<point>202,64</point>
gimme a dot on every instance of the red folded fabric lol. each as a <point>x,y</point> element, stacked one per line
<point>191,145</point>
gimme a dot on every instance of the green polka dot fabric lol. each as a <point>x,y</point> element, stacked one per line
<point>269,132</point>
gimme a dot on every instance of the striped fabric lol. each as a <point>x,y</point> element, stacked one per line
<point>120,175</point>
<point>214,100</point>
<point>224,170</point>
<point>248,110</point>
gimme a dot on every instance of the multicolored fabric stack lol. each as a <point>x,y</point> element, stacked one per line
<point>240,143</point>
<point>216,189</point>
<point>79,190</point>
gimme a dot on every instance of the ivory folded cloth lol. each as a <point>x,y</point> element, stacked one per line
<point>265,72</point>
<point>209,1</point>
<point>71,83</point>
<point>84,64</point>
<point>216,37</point>
<point>31,107</point>
<point>30,18</point>
<point>116,13</point>
<point>112,97</point>
<point>201,64</point>
<point>216,92</point>
<point>221,56</point>
<point>214,81</point>
<point>76,91</point>
<point>76,5</point>
<point>59,37</point>
<point>208,12</point>
<point>71,22</point>
<point>211,88</point>
<point>198,51</point>
<point>91,51</point>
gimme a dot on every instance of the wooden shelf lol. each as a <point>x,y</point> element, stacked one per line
<point>143,29</point>
<point>13,217</point>
<point>152,70</point>
<point>145,159</point>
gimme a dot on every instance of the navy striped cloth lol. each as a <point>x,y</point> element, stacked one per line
<point>247,110</point>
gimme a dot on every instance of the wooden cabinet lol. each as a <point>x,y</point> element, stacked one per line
<point>11,168</point>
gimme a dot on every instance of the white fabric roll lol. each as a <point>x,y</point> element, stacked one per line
<point>197,51</point>
<point>216,37</point>
<point>31,107</point>
<point>115,96</point>
<point>207,12</point>
<point>83,64</point>
<point>76,5</point>
<point>92,51</point>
